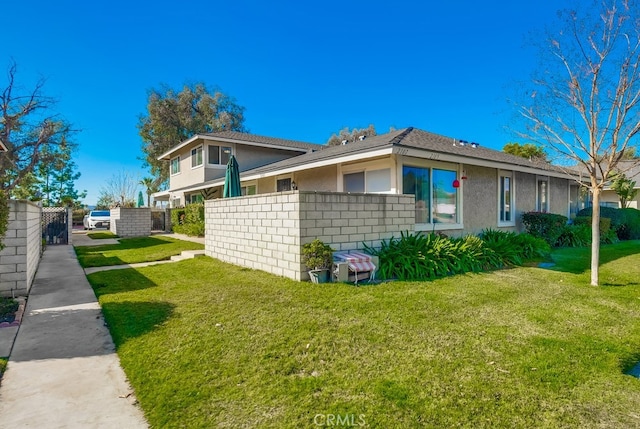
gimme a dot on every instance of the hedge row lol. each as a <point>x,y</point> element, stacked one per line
<point>188,220</point>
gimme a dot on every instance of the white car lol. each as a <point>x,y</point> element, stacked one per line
<point>97,219</point>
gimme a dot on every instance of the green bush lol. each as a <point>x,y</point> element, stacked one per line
<point>630,230</point>
<point>615,214</point>
<point>548,226</point>
<point>605,223</point>
<point>188,220</point>
<point>576,235</point>
<point>422,256</point>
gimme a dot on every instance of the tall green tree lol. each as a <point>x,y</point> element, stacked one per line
<point>53,180</point>
<point>346,135</point>
<point>625,188</point>
<point>582,105</point>
<point>150,187</point>
<point>527,150</point>
<point>173,117</point>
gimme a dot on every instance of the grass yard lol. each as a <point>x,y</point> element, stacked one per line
<point>207,344</point>
<point>133,250</point>
<point>101,235</point>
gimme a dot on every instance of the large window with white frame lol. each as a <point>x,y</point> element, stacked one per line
<point>175,165</point>
<point>436,192</point>
<point>370,181</point>
<point>218,155</point>
<point>506,199</point>
<point>542,194</point>
<point>196,157</point>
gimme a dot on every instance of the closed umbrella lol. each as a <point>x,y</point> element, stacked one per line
<point>232,179</point>
<point>140,199</point>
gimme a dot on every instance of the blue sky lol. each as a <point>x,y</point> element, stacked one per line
<point>302,70</point>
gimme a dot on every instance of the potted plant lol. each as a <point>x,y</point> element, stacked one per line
<point>318,257</point>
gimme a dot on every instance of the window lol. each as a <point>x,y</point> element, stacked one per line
<point>415,181</point>
<point>354,182</point>
<point>175,165</point>
<point>542,204</point>
<point>195,198</point>
<point>196,157</point>
<point>368,181</point>
<point>249,190</point>
<point>436,196</point>
<point>283,184</point>
<point>445,197</point>
<point>219,155</point>
<point>505,198</point>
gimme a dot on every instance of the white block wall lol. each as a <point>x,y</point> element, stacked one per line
<point>131,222</point>
<point>267,231</point>
<point>23,246</point>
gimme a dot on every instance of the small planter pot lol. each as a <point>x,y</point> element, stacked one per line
<point>319,276</point>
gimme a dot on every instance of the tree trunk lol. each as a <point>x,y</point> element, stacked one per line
<point>595,237</point>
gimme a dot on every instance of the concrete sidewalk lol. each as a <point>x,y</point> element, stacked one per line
<point>63,371</point>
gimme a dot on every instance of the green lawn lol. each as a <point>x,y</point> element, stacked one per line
<point>100,235</point>
<point>207,344</point>
<point>133,250</point>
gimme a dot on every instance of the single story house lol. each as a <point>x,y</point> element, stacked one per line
<point>609,198</point>
<point>459,187</point>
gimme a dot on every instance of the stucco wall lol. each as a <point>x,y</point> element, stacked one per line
<point>559,196</point>
<point>23,246</point>
<point>324,179</point>
<point>131,222</point>
<point>267,231</point>
<point>480,199</point>
<point>255,156</point>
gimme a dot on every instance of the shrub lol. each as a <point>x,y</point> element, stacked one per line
<point>317,255</point>
<point>429,256</point>
<point>631,224</point>
<point>616,216</point>
<point>188,220</point>
<point>547,226</point>
<point>605,223</point>
<point>576,235</point>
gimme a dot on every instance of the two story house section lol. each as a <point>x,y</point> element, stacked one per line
<point>203,158</point>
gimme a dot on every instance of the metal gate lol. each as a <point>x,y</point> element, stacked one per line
<point>55,225</point>
<point>158,220</point>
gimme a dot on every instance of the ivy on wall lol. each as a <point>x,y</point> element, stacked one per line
<point>4,216</point>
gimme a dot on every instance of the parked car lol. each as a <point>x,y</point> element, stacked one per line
<point>97,219</point>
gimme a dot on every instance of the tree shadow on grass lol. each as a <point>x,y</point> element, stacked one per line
<point>118,281</point>
<point>130,319</point>
<point>92,256</point>
<point>578,260</point>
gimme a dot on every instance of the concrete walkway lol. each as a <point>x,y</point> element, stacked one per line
<point>63,371</point>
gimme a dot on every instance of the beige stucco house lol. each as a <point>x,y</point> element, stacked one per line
<point>459,187</point>
<point>609,198</point>
<point>203,159</point>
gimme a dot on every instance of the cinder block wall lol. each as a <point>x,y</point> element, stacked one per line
<point>266,231</point>
<point>131,222</point>
<point>23,246</point>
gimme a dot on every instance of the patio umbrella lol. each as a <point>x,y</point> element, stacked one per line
<point>140,199</point>
<point>232,179</point>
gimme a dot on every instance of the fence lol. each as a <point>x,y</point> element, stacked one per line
<point>23,246</point>
<point>267,231</point>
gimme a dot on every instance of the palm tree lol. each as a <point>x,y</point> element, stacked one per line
<point>150,184</point>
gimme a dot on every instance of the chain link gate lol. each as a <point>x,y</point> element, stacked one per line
<point>55,225</point>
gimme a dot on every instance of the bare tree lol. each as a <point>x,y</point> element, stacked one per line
<point>121,190</point>
<point>583,106</point>
<point>30,131</point>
